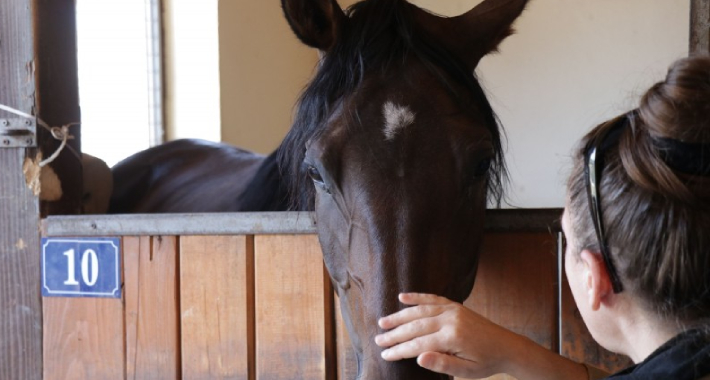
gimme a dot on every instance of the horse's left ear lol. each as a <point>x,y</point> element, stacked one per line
<point>475,33</point>
<point>315,22</point>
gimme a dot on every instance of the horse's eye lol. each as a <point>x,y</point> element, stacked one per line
<point>315,174</point>
<point>483,167</point>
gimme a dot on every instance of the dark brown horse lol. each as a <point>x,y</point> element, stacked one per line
<point>398,150</point>
<point>402,149</point>
<point>190,176</point>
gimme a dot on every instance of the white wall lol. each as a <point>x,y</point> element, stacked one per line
<point>192,97</point>
<point>572,65</point>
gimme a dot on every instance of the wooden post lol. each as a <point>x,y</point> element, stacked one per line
<point>20,304</point>
<point>38,70</point>
<point>699,26</point>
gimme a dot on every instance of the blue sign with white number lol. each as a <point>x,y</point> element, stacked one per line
<point>81,267</point>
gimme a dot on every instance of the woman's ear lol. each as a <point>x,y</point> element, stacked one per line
<point>595,278</point>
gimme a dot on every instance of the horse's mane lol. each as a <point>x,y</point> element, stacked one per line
<point>267,191</point>
<point>378,34</point>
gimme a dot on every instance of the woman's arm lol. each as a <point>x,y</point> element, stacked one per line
<point>447,337</point>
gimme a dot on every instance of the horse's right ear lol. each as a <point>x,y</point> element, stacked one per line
<point>315,22</point>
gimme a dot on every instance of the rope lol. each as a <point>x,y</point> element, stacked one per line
<point>59,133</point>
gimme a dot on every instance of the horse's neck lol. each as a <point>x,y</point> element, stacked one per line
<point>375,368</point>
<point>371,366</point>
<point>267,190</point>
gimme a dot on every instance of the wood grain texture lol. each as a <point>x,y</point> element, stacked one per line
<point>347,362</point>
<point>516,285</point>
<point>290,308</point>
<point>20,302</point>
<point>83,339</point>
<point>152,305</point>
<point>699,26</point>
<point>216,285</point>
<point>577,342</point>
<point>330,327</point>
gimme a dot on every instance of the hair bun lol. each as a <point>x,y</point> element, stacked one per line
<point>679,107</point>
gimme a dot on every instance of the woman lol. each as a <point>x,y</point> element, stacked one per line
<point>637,223</point>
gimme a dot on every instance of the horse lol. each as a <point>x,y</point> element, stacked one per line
<point>193,176</point>
<point>397,149</point>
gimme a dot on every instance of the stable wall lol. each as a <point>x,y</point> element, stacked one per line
<point>572,64</point>
<point>246,296</point>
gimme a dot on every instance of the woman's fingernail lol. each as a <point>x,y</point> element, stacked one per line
<point>385,354</point>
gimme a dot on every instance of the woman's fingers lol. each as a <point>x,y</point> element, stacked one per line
<point>425,306</point>
<point>408,331</point>
<point>412,348</point>
<point>408,315</point>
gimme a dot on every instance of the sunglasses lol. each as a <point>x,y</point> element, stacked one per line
<point>594,165</point>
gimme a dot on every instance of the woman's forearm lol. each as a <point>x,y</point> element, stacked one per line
<point>530,361</point>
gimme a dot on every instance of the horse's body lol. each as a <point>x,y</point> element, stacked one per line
<point>188,176</point>
<point>402,149</point>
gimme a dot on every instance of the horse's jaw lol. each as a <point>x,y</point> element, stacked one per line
<point>372,367</point>
<point>370,364</point>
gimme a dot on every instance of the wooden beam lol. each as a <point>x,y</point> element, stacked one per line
<point>699,27</point>
<point>20,304</point>
<point>262,223</point>
<point>58,98</point>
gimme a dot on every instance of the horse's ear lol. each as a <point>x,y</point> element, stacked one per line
<point>475,33</point>
<point>315,22</point>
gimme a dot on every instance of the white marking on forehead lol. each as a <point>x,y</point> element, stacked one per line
<point>396,118</point>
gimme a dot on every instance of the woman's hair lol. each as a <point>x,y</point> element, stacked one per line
<point>655,194</point>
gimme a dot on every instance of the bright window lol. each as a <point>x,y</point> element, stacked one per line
<point>115,87</point>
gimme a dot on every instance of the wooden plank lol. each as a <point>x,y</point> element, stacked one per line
<point>56,71</point>
<point>516,285</point>
<point>20,305</point>
<point>330,326</point>
<point>83,339</point>
<point>347,362</point>
<point>577,342</point>
<point>152,304</point>
<point>290,308</point>
<point>216,307</point>
<point>20,302</point>
<point>699,26</point>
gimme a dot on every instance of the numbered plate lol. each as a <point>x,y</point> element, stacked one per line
<point>81,267</point>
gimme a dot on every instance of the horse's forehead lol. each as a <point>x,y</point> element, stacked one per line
<point>396,118</point>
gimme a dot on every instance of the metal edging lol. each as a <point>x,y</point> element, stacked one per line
<point>262,223</point>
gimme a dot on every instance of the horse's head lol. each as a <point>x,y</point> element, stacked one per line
<point>398,148</point>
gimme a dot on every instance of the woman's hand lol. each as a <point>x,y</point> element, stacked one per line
<point>446,337</point>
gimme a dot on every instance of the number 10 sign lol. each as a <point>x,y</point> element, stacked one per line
<point>79,267</point>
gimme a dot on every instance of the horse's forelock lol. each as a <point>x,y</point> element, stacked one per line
<point>377,35</point>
